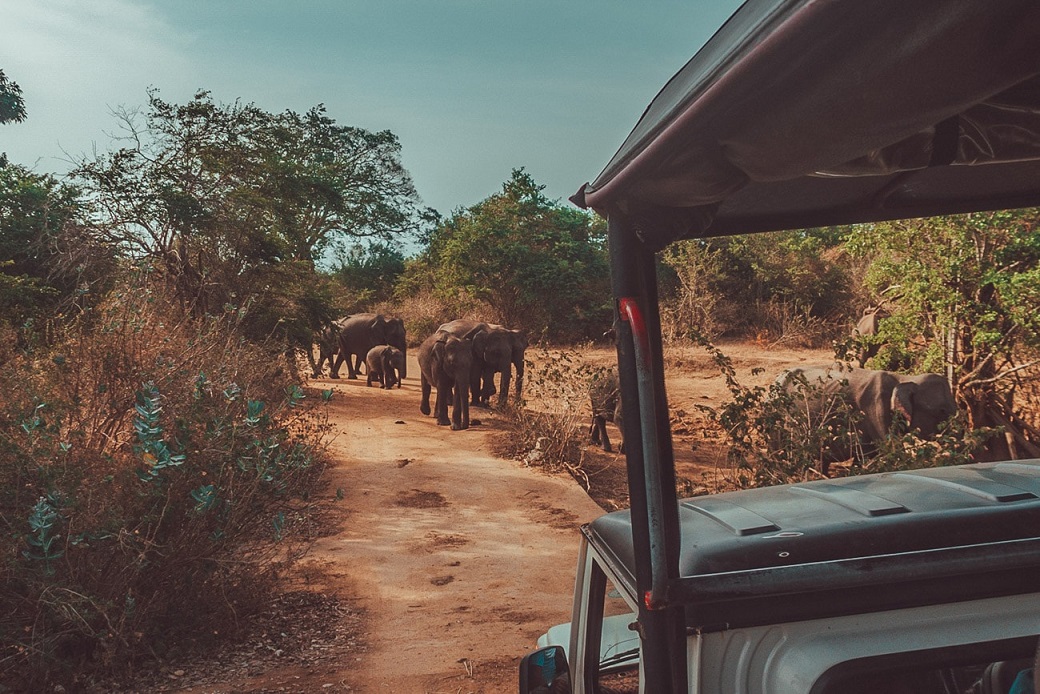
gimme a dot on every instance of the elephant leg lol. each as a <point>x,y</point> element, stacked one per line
<point>441,406</point>
<point>336,366</point>
<point>474,387</point>
<point>460,409</point>
<point>601,433</point>
<point>503,392</point>
<point>594,430</point>
<point>315,369</point>
<point>424,404</point>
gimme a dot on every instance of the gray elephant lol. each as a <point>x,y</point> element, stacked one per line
<point>328,346</point>
<point>383,364</point>
<point>865,333</point>
<point>446,363</point>
<point>361,332</point>
<point>495,350</point>
<point>925,401</point>
<point>605,396</point>
<point>518,346</point>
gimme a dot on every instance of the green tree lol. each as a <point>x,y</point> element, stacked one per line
<point>12,106</point>
<point>49,260</point>
<point>968,307</point>
<point>370,272</point>
<point>731,285</point>
<point>234,205</point>
<point>538,265</point>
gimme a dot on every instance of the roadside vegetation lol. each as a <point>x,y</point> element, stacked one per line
<point>161,451</point>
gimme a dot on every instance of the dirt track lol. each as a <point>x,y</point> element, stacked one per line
<point>459,559</point>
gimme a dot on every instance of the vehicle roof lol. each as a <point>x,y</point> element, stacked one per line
<point>808,113</point>
<point>926,527</point>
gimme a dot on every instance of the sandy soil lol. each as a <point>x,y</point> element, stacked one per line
<point>454,559</point>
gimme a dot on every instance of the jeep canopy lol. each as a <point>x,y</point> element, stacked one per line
<point>806,113</point>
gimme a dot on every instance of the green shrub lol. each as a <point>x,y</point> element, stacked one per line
<point>156,472</point>
<point>776,435</point>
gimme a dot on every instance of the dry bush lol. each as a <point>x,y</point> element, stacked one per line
<point>551,427</point>
<point>154,472</point>
<point>424,313</point>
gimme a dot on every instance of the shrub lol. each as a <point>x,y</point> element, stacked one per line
<point>155,473</point>
<point>775,435</point>
<point>550,427</point>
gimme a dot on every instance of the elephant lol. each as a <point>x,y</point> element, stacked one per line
<point>867,327</point>
<point>605,395</point>
<point>328,346</point>
<point>925,400</point>
<point>361,332</point>
<point>384,363</point>
<point>518,345</point>
<point>446,363</point>
<point>496,349</point>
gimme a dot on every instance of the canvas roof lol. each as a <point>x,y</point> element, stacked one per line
<point>808,113</point>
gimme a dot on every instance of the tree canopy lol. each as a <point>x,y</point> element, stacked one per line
<point>966,306</point>
<point>536,264</point>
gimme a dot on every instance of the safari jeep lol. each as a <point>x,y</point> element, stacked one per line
<point>800,114</point>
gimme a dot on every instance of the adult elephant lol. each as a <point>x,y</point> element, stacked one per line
<point>361,332</point>
<point>495,350</point>
<point>446,362</point>
<point>328,346</point>
<point>518,346</point>
<point>925,400</point>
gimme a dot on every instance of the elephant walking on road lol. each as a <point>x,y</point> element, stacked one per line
<point>605,395</point>
<point>384,363</point>
<point>496,349</point>
<point>925,401</point>
<point>328,346</point>
<point>361,332</point>
<point>446,363</point>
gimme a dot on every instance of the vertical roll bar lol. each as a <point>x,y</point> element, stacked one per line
<point>649,458</point>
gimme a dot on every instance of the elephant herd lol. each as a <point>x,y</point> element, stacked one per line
<point>460,359</point>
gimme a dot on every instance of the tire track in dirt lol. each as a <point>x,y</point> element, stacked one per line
<point>459,559</point>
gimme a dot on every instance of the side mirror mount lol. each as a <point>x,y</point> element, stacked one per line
<point>545,672</point>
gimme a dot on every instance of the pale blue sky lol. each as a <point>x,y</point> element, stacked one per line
<point>473,88</point>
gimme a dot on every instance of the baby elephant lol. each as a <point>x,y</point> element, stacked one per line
<point>385,364</point>
<point>605,394</point>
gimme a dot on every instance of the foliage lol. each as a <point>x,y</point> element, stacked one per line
<point>782,286</point>
<point>12,105</point>
<point>776,435</point>
<point>155,477</point>
<point>538,265</point>
<point>48,263</point>
<point>550,428</point>
<point>966,306</point>
<point>369,273</point>
<point>235,205</point>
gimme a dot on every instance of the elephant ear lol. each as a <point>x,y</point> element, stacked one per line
<point>903,399</point>
<point>378,321</point>
<point>480,339</point>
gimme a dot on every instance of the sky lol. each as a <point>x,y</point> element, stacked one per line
<point>472,88</point>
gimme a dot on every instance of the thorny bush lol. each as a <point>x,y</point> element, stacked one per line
<point>156,473</point>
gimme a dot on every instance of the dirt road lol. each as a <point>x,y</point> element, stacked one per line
<point>460,560</point>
